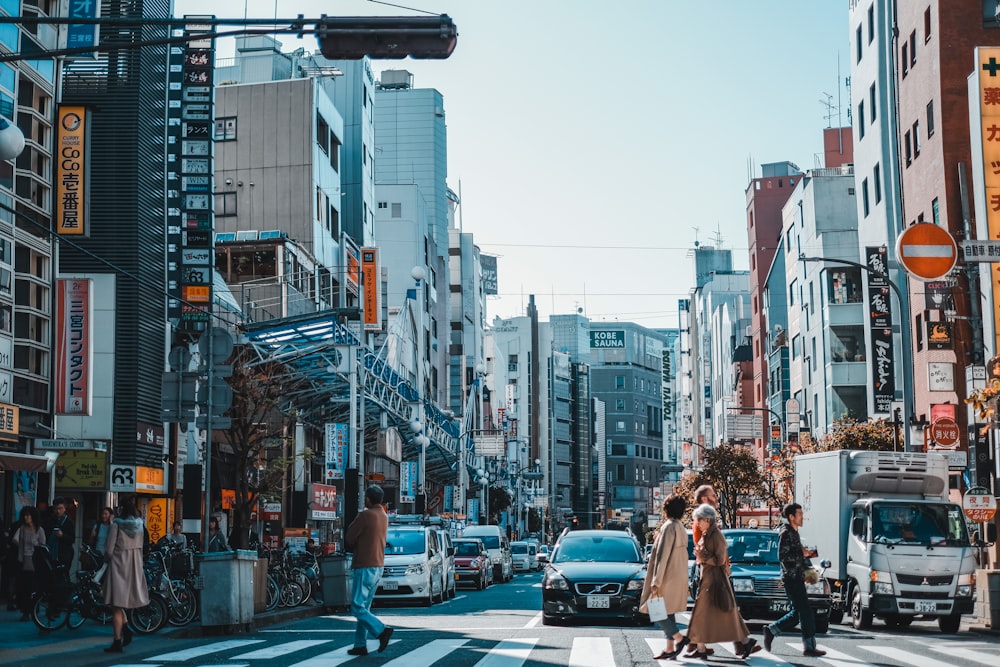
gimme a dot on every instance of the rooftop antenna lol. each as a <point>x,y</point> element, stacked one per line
<point>718,235</point>
<point>831,108</point>
<point>696,230</point>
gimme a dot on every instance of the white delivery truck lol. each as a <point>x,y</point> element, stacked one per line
<point>897,547</point>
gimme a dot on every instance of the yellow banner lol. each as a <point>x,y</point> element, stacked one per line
<point>10,421</point>
<point>157,519</point>
<point>988,76</point>
<point>70,206</point>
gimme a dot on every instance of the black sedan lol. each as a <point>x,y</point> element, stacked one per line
<point>594,574</point>
<point>756,577</point>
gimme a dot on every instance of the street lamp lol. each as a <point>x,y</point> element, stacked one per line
<point>904,335</point>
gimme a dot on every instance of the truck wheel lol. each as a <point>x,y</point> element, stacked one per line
<point>861,618</point>
<point>949,624</point>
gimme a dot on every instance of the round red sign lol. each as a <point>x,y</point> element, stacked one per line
<point>926,251</point>
<point>979,505</point>
<point>944,432</point>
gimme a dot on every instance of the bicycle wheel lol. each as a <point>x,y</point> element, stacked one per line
<point>302,579</point>
<point>48,615</point>
<point>183,604</point>
<point>273,593</point>
<point>291,594</point>
<point>75,616</point>
<point>147,620</point>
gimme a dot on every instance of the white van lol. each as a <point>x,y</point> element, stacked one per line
<point>414,566</point>
<point>495,540</point>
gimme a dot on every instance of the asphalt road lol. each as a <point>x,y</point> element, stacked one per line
<point>499,627</point>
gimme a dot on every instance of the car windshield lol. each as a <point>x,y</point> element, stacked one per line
<point>923,524</point>
<point>470,549</point>
<point>516,548</point>
<point>404,542</point>
<point>753,548</point>
<point>491,542</point>
<point>598,549</point>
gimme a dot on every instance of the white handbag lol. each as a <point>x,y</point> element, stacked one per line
<point>656,609</point>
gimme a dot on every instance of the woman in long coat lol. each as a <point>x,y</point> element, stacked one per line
<point>715,617</point>
<point>125,582</point>
<point>667,573</point>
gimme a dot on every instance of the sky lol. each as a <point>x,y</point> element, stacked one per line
<point>594,143</point>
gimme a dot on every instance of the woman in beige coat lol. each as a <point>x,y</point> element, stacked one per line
<point>715,617</point>
<point>125,582</point>
<point>667,572</point>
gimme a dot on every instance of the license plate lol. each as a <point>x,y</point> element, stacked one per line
<point>780,605</point>
<point>390,585</point>
<point>925,607</point>
<point>598,602</point>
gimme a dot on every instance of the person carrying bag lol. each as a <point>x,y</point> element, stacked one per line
<point>665,591</point>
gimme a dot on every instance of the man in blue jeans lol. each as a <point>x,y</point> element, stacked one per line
<point>365,538</point>
<point>792,556</point>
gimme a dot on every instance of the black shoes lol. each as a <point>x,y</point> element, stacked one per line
<point>768,638</point>
<point>383,639</point>
<point>126,636</point>
<point>749,647</point>
<point>678,648</point>
<point>116,647</point>
<point>814,652</point>
<point>357,650</point>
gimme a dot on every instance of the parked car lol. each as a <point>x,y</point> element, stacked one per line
<point>472,563</point>
<point>496,543</point>
<point>523,556</point>
<point>448,564</point>
<point>594,574</point>
<point>756,577</point>
<point>413,566</point>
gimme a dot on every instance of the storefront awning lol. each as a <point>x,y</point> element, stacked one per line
<point>26,462</point>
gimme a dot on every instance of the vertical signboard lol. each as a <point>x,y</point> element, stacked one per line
<point>74,350</point>
<point>370,275</point>
<point>408,481</point>
<point>82,35</point>
<point>987,76</point>
<point>489,266</point>
<point>71,172</point>
<point>880,322</point>
<point>335,446</point>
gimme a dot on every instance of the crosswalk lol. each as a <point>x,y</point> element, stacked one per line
<point>413,649</point>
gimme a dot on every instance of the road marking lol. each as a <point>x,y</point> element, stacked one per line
<point>534,621</point>
<point>279,650</point>
<point>835,658</point>
<point>759,658</point>
<point>509,653</point>
<point>198,651</point>
<point>905,657</point>
<point>968,654</point>
<point>340,656</point>
<point>591,652</point>
<point>428,653</point>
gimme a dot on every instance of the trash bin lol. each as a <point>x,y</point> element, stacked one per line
<point>227,587</point>
<point>335,571</point>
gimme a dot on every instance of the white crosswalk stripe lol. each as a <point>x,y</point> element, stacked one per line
<point>761,657</point>
<point>967,654</point>
<point>509,653</point>
<point>337,657</point>
<point>199,651</point>
<point>279,650</point>
<point>591,652</point>
<point>906,657</point>
<point>428,653</point>
<point>835,658</point>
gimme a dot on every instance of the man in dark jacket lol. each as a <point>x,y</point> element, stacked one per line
<point>792,556</point>
<point>60,533</point>
<point>365,538</point>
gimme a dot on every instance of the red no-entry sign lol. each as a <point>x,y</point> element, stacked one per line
<point>926,251</point>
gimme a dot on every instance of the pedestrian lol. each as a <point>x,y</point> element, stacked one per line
<point>61,533</point>
<point>715,617</point>
<point>98,535</point>
<point>176,537</point>
<point>705,494</point>
<point>792,556</point>
<point>216,539</point>
<point>667,573</point>
<point>28,537</point>
<point>125,583</point>
<point>365,538</point>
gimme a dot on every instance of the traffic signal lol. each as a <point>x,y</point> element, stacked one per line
<point>354,37</point>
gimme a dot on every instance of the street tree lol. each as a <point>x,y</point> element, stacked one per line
<point>879,435</point>
<point>734,473</point>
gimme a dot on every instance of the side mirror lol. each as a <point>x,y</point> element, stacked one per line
<point>857,526</point>
<point>451,551</point>
<point>825,563</point>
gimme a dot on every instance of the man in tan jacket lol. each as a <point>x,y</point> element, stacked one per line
<point>365,538</point>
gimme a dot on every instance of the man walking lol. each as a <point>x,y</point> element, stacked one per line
<point>792,556</point>
<point>365,538</point>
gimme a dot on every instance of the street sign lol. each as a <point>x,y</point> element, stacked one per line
<point>944,431</point>
<point>926,251</point>
<point>979,504</point>
<point>744,426</point>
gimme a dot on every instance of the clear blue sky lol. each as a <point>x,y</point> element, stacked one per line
<point>621,126</point>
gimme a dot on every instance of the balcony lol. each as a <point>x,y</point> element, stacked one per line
<point>847,373</point>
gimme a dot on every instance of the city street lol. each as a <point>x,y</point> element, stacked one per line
<point>500,627</point>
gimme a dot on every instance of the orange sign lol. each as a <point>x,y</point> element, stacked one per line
<point>149,480</point>
<point>9,421</point>
<point>987,76</point>
<point>978,505</point>
<point>926,251</point>
<point>370,279</point>
<point>71,172</point>
<point>945,432</point>
<point>197,293</point>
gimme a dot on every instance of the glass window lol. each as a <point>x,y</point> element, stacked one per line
<point>225,129</point>
<point>930,118</point>
<point>8,77</point>
<point>8,33</point>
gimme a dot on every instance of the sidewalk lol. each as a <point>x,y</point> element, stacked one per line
<point>22,640</point>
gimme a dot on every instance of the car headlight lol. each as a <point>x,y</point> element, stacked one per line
<point>966,585</point>
<point>555,582</point>
<point>415,569</point>
<point>821,587</point>
<point>963,591</point>
<point>743,585</point>
<point>474,565</point>
<point>881,583</point>
<point>635,584</point>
